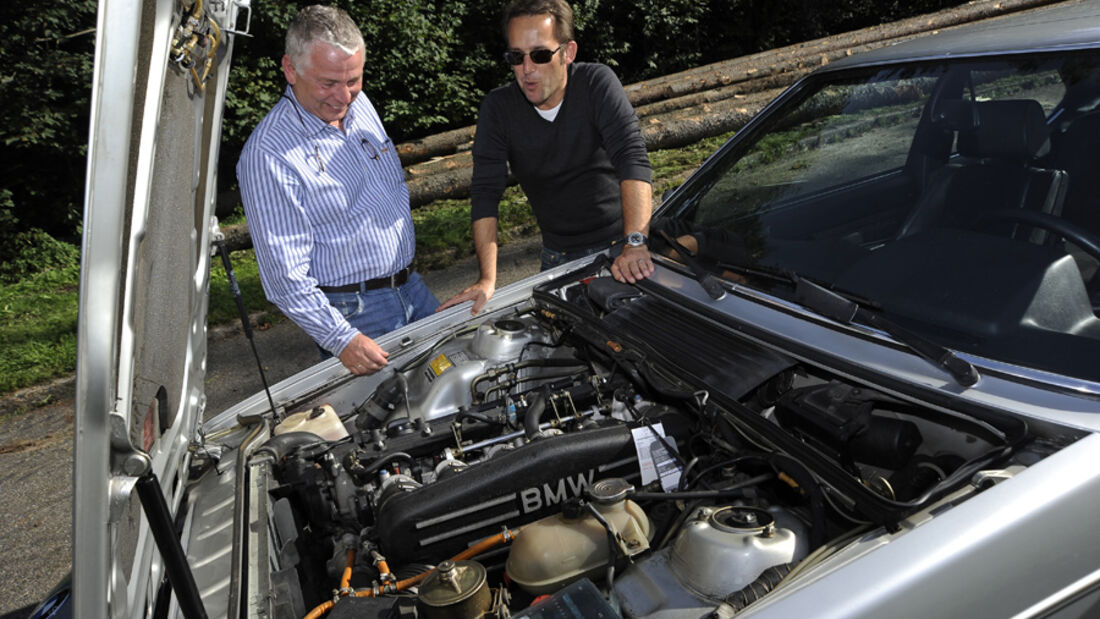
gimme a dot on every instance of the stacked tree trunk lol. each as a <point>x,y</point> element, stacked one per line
<point>686,107</point>
<point>683,108</point>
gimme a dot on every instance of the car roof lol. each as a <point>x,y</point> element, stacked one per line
<point>1063,26</point>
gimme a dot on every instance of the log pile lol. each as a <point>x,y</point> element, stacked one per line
<point>685,107</point>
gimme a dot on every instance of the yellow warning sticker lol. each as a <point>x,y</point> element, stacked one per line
<point>440,364</point>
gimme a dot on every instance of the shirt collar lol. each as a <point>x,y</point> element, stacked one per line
<point>312,125</point>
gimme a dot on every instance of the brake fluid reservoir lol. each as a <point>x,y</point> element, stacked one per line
<point>322,421</point>
<point>550,553</point>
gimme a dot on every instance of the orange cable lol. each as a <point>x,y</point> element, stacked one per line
<point>320,610</point>
<point>346,579</point>
<point>472,551</point>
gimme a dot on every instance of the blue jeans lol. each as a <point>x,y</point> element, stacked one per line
<point>551,257</point>
<point>377,312</point>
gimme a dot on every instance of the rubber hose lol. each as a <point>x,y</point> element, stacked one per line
<point>281,445</point>
<point>533,416</point>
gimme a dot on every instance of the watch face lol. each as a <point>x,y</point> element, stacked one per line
<point>635,239</point>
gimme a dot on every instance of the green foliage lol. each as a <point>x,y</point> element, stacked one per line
<point>644,38</point>
<point>8,221</point>
<point>598,39</point>
<point>429,63</point>
<point>423,86</point>
<point>443,228</point>
<point>421,69</point>
<point>672,166</point>
<point>47,57</point>
<point>34,251</point>
<point>254,87</point>
<point>38,327</point>
<point>443,232</point>
<point>223,308</point>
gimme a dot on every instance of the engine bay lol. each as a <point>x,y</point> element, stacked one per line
<point>600,451</point>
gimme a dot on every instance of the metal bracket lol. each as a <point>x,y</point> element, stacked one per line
<point>238,5</point>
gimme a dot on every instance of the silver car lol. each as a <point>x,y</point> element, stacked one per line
<point>864,380</point>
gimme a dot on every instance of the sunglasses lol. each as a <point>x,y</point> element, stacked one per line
<point>538,56</point>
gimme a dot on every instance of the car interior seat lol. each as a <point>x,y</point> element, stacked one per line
<point>1078,153</point>
<point>998,144</point>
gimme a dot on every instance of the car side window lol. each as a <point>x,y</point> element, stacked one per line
<point>837,137</point>
<point>1043,84</point>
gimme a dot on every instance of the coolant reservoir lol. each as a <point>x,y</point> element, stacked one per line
<point>321,421</point>
<point>550,553</point>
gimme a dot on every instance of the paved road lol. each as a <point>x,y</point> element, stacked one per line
<point>36,447</point>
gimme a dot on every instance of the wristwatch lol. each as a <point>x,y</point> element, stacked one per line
<point>635,239</point>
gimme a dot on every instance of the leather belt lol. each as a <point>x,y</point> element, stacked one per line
<point>393,281</point>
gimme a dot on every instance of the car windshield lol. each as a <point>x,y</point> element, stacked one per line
<point>957,198</point>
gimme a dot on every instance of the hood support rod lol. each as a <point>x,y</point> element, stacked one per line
<point>245,323</point>
<point>175,560</point>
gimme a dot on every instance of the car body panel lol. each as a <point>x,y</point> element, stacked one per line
<point>949,557</point>
<point>1070,25</point>
<point>750,385</point>
<point>152,168</point>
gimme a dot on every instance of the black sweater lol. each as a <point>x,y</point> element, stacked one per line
<point>571,168</point>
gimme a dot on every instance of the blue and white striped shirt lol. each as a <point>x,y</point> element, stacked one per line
<point>324,207</point>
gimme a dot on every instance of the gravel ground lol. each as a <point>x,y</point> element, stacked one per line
<point>36,447</point>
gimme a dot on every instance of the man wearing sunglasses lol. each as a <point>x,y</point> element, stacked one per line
<point>326,200</point>
<point>570,136</point>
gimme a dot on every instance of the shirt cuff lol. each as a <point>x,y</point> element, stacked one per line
<point>336,341</point>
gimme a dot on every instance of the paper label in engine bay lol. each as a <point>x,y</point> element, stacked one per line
<point>441,363</point>
<point>654,458</point>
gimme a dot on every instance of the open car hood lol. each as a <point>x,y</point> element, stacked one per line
<point>161,70</point>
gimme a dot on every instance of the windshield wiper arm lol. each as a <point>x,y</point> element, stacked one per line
<point>710,284</point>
<point>832,305</point>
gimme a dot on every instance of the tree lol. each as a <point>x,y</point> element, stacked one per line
<point>47,57</point>
<point>428,65</point>
<point>423,65</point>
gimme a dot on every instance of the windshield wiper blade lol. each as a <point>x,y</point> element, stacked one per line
<point>832,305</point>
<point>710,284</point>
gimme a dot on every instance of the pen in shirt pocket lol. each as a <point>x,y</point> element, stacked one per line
<point>372,151</point>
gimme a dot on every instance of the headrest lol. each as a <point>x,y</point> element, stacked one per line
<point>955,114</point>
<point>1011,129</point>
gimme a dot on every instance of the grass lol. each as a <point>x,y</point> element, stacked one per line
<point>672,166</point>
<point>443,232</point>
<point>38,331</point>
<point>223,308</point>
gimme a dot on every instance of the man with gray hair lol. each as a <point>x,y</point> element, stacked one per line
<point>326,200</point>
